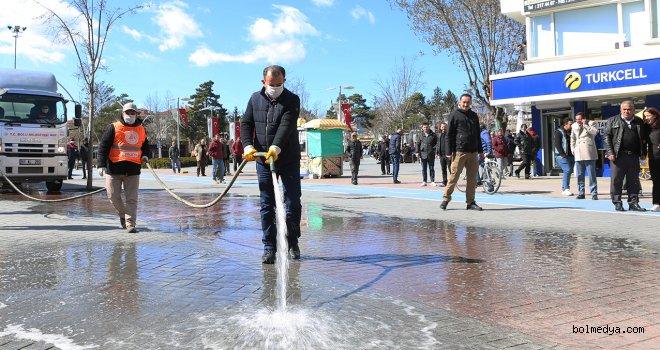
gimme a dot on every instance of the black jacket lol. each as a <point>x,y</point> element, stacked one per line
<point>354,149</point>
<point>426,145</point>
<point>463,132</point>
<point>524,142</point>
<point>123,167</point>
<point>614,133</point>
<point>395,144</point>
<point>266,123</point>
<point>652,139</point>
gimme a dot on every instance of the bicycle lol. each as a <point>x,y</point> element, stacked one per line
<point>490,174</point>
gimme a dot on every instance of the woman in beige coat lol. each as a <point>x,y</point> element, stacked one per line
<point>583,145</point>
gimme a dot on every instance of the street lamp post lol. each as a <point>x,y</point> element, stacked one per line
<point>16,30</point>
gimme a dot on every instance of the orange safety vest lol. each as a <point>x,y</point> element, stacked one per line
<point>127,145</point>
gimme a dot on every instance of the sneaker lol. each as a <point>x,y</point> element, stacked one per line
<point>397,181</point>
<point>122,222</point>
<point>567,192</point>
<point>655,207</point>
<point>442,184</point>
<point>594,197</point>
<point>635,207</point>
<point>131,229</point>
<point>433,184</point>
<point>294,252</point>
<point>580,196</point>
<point>268,257</point>
<point>618,206</point>
<point>221,181</point>
<point>473,206</point>
<point>423,184</point>
<point>443,205</point>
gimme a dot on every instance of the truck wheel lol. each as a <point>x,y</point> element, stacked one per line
<point>54,186</point>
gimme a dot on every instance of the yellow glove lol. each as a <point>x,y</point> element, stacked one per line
<point>273,151</point>
<point>248,153</point>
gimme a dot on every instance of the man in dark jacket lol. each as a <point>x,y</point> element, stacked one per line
<point>564,154</point>
<point>73,155</point>
<point>354,151</point>
<point>464,146</point>
<point>395,154</point>
<point>122,150</point>
<point>623,144</point>
<point>511,144</point>
<point>270,125</point>
<point>441,151</point>
<point>426,152</point>
<point>84,154</point>
<point>384,155</point>
<point>524,142</point>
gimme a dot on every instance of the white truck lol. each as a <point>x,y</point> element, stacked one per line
<point>32,141</point>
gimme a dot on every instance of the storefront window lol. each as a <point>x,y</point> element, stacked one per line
<point>586,30</point>
<point>655,14</point>
<point>543,39</point>
<point>635,23</point>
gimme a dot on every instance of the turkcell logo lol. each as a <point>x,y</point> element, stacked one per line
<point>573,80</point>
<point>615,75</point>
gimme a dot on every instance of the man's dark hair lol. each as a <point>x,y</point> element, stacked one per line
<point>566,121</point>
<point>466,94</point>
<point>275,71</point>
<point>425,123</point>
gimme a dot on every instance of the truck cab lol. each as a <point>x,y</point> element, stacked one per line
<point>33,128</point>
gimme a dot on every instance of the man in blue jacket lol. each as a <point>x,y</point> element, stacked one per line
<point>395,154</point>
<point>270,125</point>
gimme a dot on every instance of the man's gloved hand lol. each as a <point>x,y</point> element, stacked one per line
<point>101,172</point>
<point>273,151</point>
<point>248,153</point>
<point>145,159</point>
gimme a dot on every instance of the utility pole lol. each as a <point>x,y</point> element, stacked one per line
<point>17,30</point>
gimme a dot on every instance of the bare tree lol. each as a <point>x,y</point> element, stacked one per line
<point>158,122</point>
<point>88,39</point>
<point>395,91</point>
<point>473,32</point>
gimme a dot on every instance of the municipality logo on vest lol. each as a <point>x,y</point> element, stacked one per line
<point>573,80</point>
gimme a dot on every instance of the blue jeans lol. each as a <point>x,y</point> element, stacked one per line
<point>176,164</point>
<point>566,165</point>
<point>430,162</point>
<point>290,179</point>
<point>590,166</point>
<point>218,169</point>
<point>394,159</point>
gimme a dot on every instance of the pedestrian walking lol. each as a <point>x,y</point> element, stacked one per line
<point>583,146</point>
<point>270,124</point>
<point>175,158</point>
<point>623,144</point>
<point>441,150</point>
<point>534,162</point>
<point>501,151</point>
<point>384,155</point>
<point>464,145</point>
<point>395,154</point>
<point>426,152</point>
<point>237,153</point>
<point>564,155</point>
<point>354,151</point>
<point>122,150</point>
<point>652,141</point>
<point>84,156</point>
<point>511,145</point>
<point>226,153</point>
<point>524,142</point>
<point>216,154</point>
<point>72,154</point>
<point>200,154</point>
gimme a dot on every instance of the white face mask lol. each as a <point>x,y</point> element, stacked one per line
<point>129,119</point>
<point>274,91</point>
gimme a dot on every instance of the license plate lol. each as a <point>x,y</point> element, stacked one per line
<point>29,161</point>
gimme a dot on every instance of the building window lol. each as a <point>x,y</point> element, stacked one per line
<point>543,40</point>
<point>635,23</point>
<point>655,15</point>
<point>586,30</point>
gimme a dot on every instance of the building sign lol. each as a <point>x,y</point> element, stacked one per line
<point>537,5</point>
<point>597,79</point>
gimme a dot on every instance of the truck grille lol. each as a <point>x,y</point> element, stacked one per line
<point>29,148</point>
<point>30,170</point>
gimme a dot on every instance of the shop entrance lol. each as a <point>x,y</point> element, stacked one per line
<point>552,121</point>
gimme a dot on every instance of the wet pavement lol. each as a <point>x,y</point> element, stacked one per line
<point>385,270</point>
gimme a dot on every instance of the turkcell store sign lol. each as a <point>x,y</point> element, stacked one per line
<point>585,79</point>
<point>537,5</point>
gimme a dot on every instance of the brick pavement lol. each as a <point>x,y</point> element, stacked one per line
<point>384,276</point>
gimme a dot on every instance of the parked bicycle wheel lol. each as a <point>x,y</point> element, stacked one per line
<point>461,184</point>
<point>491,178</point>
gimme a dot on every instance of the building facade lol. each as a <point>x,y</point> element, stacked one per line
<point>581,56</point>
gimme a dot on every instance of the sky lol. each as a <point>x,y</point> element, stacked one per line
<point>168,48</point>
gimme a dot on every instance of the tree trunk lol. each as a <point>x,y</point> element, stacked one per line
<point>90,139</point>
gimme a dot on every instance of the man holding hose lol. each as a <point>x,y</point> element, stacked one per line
<point>270,125</point>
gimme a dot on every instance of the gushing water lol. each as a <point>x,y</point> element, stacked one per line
<point>282,260</point>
